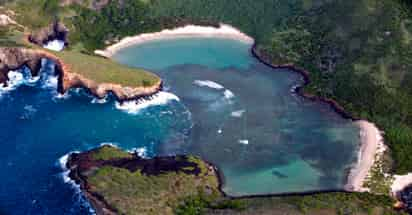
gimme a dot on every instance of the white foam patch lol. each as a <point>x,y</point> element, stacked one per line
<point>15,80</point>
<point>228,94</point>
<point>208,83</point>
<point>62,162</point>
<point>109,144</point>
<point>60,96</point>
<point>51,82</point>
<point>244,142</point>
<point>135,106</point>
<point>65,174</point>
<point>238,113</point>
<point>55,45</point>
<point>141,152</point>
<point>99,101</point>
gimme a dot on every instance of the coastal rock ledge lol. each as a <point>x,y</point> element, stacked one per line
<point>16,58</point>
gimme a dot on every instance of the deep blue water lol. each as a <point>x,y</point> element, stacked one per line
<point>233,111</point>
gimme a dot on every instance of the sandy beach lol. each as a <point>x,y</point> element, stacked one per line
<point>371,146</point>
<point>224,31</point>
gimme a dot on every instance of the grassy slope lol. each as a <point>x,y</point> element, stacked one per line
<point>137,193</point>
<point>103,70</point>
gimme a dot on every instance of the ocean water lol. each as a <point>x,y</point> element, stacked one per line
<point>38,127</point>
<point>220,103</point>
<point>247,120</point>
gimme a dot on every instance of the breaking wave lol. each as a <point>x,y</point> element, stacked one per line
<point>228,94</point>
<point>208,83</point>
<point>238,113</point>
<point>62,162</point>
<point>135,106</point>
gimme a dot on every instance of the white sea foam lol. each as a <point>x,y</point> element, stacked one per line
<point>141,152</point>
<point>65,174</point>
<point>99,101</point>
<point>50,82</point>
<point>244,142</point>
<point>135,106</point>
<point>109,144</point>
<point>228,94</point>
<point>55,45</point>
<point>238,113</point>
<point>208,83</point>
<point>60,96</point>
<point>15,80</point>
<point>62,162</point>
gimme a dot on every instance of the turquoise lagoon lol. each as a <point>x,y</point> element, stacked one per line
<point>246,118</point>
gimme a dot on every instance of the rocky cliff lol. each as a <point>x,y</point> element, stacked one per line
<point>55,31</point>
<point>15,58</point>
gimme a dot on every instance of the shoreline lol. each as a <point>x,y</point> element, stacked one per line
<point>371,143</point>
<point>371,149</point>
<point>16,58</point>
<point>224,31</point>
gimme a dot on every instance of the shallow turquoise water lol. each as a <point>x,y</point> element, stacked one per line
<point>246,120</point>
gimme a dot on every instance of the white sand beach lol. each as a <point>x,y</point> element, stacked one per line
<point>224,31</point>
<point>372,146</point>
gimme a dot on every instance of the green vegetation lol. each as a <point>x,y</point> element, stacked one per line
<point>177,192</point>
<point>358,52</point>
<point>11,37</point>
<point>104,70</point>
<point>108,153</point>
<point>328,203</point>
<point>138,193</point>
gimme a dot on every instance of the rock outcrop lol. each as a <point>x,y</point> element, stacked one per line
<point>15,58</point>
<point>170,177</point>
<point>55,31</point>
<point>6,20</point>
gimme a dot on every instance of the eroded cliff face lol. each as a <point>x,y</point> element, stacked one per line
<point>54,31</point>
<point>16,58</point>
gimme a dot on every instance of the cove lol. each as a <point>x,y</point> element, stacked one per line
<point>247,120</point>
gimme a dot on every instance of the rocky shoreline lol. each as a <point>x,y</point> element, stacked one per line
<point>16,58</point>
<point>82,165</point>
<point>369,143</point>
